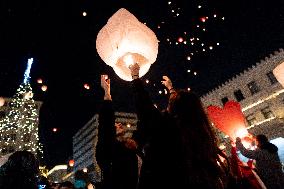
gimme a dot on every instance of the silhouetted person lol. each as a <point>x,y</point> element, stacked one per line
<point>268,165</point>
<point>115,154</point>
<point>82,180</point>
<point>180,146</point>
<point>20,171</point>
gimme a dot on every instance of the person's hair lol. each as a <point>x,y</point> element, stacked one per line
<point>262,139</point>
<point>81,179</point>
<point>20,171</point>
<point>198,140</point>
<point>264,144</point>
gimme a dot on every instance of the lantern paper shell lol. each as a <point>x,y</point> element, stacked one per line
<point>279,73</point>
<point>124,35</point>
<point>229,120</point>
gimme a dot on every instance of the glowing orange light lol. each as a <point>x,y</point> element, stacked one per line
<point>71,162</point>
<point>54,129</point>
<point>44,88</point>
<point>228,119</point>
<point>39,80</point>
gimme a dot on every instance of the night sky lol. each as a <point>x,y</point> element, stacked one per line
<point>238,33</point>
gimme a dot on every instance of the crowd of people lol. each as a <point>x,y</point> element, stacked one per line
<point>173,149</point>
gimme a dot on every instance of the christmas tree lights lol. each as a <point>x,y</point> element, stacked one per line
<point>19,127</point>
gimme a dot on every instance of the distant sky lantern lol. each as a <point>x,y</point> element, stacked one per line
<point>180,39</point>
<point>54,129</point>
<point>203,19</point>
<point>44,88</point>
<point>71,162</point>
<point>39,81</point>
<point>87,86</point>
<point>28,95</point>
<point>2,101</point>
<point>229,120</point>
<point>124,41</point>
<point>279,73</point>
<point>84,13</point>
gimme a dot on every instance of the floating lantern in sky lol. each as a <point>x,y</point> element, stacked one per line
<point>84,13</point>
<point>180,39</point>
<point>124,41</point>
<point>230,119</point>
<point>39,81</point>
<point>2,101</point>
<point>71,162</point>
<point>279,73</point>
<point>203,19</point>
<point>87,86</point>
<point>44,88</point>
<point>54,130</point>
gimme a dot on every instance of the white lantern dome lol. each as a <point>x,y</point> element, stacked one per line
<point>124,38</point>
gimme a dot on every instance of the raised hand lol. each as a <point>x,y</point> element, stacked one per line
<point>134,69</point>
<point>105,83</point>
<point>167,82</point>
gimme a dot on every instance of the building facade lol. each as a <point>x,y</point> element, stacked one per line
<point>85,140</point>
<point>261,97</point>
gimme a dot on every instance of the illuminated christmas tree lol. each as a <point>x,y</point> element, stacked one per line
<point>19,127</point>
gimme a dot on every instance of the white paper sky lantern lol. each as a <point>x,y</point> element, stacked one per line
<point>279,73</point>
<point>123,41</point>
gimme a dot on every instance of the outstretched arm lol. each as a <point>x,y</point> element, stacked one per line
<point>252,154</point>
<point>106,129</point>
<point>148,115</point>
<point>169,85</point>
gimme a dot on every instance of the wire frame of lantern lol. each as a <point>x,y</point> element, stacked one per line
<point>124,41</point>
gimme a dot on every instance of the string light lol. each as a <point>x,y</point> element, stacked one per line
<point>19,128</point>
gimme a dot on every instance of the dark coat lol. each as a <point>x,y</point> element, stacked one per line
<point>117,162</point>
<point>268,165</point>
<point>165,164</point>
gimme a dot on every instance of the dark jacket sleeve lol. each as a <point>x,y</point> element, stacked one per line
<point>106,134</point>
<point>148,115</point>
<point>252,154</point>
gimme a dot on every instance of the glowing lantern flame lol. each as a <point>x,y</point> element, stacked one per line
<point>124,41</point>
<point>279,73</point>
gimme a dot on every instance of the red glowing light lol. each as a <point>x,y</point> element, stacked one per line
<point>180,39</point>
<point>203,19</point>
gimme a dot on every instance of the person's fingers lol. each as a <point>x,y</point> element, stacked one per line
<point>165,78</point>
<point>108,81</point>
